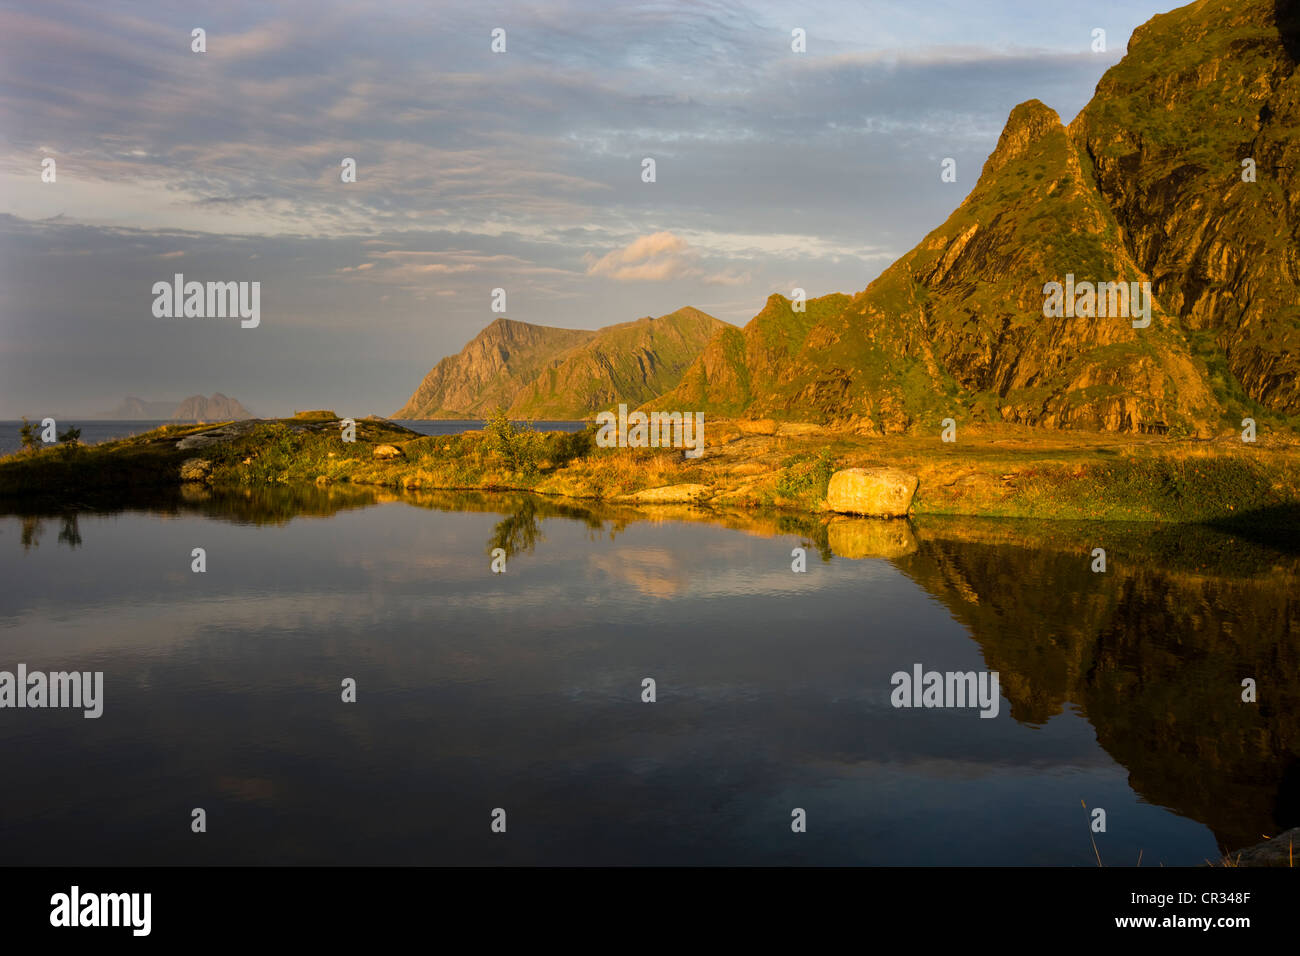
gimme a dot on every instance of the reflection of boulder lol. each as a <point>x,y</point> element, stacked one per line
<point>870,537</point>
<point>879,492</point>
<point>193,493</point>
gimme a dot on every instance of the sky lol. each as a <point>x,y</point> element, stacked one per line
<point>476,170</point>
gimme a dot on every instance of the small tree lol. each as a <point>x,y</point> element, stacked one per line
<point>518,446</point>
<point>69,443</point>
<point>28,434</point>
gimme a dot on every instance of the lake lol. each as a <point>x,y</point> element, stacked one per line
<point>523,691</point>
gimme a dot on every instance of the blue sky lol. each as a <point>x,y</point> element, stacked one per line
<point>475,170</point>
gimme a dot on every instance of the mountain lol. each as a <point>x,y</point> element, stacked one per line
<point>491,370</point>
<point>1202,89</point>
<point>218,408</point>
<point>630,362</point>
<point>738,368</point>
<point>538,372</point>
<point>193,409</point>
<point>137,409</point>
<point>1144,186</point>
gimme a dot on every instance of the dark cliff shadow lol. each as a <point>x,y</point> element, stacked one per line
<point>1277,527</point>
<point>1152,653</point>
<point>1287,15</point>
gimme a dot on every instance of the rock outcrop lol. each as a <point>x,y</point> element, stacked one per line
<point>1194,143</point>
<point>1279,851</point>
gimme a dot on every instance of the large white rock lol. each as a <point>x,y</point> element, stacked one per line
<point>878,492</point>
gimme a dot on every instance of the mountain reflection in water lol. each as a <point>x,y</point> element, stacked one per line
<point>522,690</point>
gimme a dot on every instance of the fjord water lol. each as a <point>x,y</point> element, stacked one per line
<point>522,690</point>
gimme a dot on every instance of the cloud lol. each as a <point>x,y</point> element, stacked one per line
<point>658,257</point>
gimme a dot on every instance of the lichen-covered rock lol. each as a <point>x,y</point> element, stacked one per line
<point>195,469</point>
<point>876,492</point>
<point>384,452</point>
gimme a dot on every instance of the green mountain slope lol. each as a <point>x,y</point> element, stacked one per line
<point>1202,89</point>
<point>629,362</point>
<point>966,308</point>
<point>739,367</point>
<point>491,370</point>
<point>538,372</point>
<point>1145,186</point>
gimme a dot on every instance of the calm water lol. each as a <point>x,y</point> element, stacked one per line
<point>93,432</point>
<point>522,690</point>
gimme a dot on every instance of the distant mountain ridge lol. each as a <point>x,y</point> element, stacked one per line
<point>537,372</point>
<point>196,408</point>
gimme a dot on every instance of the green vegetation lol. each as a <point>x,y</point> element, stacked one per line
<point>806,477</point>
<point>540,373</point>
<point>519,446</point>
<point>994,470</point>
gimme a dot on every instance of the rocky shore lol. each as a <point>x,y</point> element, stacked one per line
<point>995,471</point>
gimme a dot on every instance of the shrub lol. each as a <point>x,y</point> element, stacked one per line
<point>808,478</point>
<point>564,447</point>
<point>518,446</point>
<point>27,433</point>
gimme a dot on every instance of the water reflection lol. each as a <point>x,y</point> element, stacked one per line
<point>791,670</point>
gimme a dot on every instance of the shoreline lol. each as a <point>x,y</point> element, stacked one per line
<point>993,471</point>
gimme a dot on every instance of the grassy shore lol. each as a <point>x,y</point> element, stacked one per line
<point>997,471</point>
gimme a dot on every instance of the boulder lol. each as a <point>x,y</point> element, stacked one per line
<point>1282,850</point>
<point>195,469</point>
<point>876,492</point>
<point>388,451</point>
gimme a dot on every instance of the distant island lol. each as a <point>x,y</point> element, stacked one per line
<point>196,408</point>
